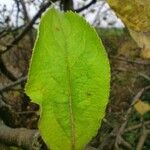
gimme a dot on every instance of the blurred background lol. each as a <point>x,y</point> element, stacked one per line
<point>125,126</point>
<point>98,14</point>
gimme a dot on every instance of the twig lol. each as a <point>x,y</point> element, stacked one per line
<point>118,132</point>
<point>136,126</point>
<point>107,122</point>
<point>142,138</point>
<point>137,61</point>
<point>9,86</point>
<point>119,139</point>
<point>26,112</point>
<point>18,11</point>
<point>19,37</point>
<point>139,94</point>
<point>90,148</point>
<point>85,7</point>
<point>27,28</point>
<point>125,143</point>
<point>144,76</point>
<point>107,140</point>
<point>6,72</point>
<point>98,13</point>
<point>3,104</point>
<point>19,137</point>
<point>7,114</point>
<point>8,30</point>
<point>30,24</point>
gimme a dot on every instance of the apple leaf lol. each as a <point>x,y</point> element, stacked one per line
<point>69,77</point>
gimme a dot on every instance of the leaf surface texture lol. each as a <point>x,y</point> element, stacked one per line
<point>69,78</point>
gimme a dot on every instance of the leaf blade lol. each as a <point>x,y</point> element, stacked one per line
<point>77,74</point>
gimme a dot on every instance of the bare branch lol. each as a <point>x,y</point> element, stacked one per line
<point>9,86</point>
<point>19,137</point>
<point>26,16</point>
<point>142,139</point>
<point>85,7</point>
<point>27,28</point>
<point>137,61</point>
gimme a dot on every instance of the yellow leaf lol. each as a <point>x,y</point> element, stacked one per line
<point>134,13</point>
<point>142,107</point>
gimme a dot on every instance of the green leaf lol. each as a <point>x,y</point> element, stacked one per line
<point>69,78</point>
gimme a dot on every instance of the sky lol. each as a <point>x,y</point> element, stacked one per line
<point>90,17</point>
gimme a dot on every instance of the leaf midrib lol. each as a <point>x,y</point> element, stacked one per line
<point>69,90</point>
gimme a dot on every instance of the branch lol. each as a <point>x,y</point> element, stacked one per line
<point>137,61</point>
<point>30,24</point>
<point>108,139</point>
<point>9,86</point>
<point>66,5</point>
<point>86,6</point>
<point>137,126</point>
<point>18,11</point>
<point>144,76</point>
<point>6,72</point>
<point>27,28</point>
<point>142,139</point>
<point>20,137</point>
<point>25,13</point>
<point>9,30</point>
